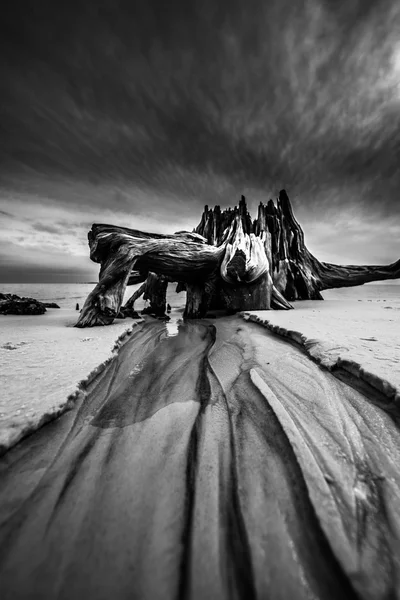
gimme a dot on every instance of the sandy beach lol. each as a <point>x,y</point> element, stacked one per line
<point>241,470</point>
<point>42,361</point>
<point>206,459</point>
<point>361,338</point>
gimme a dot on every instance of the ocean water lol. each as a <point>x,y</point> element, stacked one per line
<point>66,295</point>
<point>368,292</point>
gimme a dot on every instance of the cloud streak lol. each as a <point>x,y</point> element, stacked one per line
<point>146,112</point>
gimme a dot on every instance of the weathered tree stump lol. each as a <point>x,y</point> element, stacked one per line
<point>228,262</point>
<point>156,292</point>
<point>200,297</point>
<point>129,308</point>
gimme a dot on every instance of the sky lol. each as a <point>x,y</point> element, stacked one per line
<point>138,113</point>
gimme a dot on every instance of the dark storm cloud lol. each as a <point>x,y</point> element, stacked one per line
<point>159,107</point>
<point>108,89</point>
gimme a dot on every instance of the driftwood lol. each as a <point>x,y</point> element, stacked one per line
<point>129,308</point>
<point>228,262</point>
<point>153,289</point>
<point>156,292</point>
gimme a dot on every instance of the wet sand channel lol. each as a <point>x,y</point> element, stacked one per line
<point>215,461</point>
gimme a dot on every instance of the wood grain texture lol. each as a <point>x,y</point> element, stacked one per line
<point>228,262</point>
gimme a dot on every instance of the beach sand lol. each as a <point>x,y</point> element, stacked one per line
<point>220,462</point>
<point>42,360</point>
<point>361,338</point>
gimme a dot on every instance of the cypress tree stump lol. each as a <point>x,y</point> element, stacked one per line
<point>201,297</point>
<point>229,261</point>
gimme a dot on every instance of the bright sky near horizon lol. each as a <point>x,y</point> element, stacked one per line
<point>139,113</point>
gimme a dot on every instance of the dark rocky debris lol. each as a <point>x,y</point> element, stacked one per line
<point>11,304</point>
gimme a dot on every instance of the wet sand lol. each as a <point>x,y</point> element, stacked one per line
<point>217,463</point>
<point>43,358</point>
<point>361,337</point>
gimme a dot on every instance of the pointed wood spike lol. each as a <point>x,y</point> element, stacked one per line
<point>270,246</point>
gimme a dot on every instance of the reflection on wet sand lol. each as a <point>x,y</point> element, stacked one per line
<point>208,460</point>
